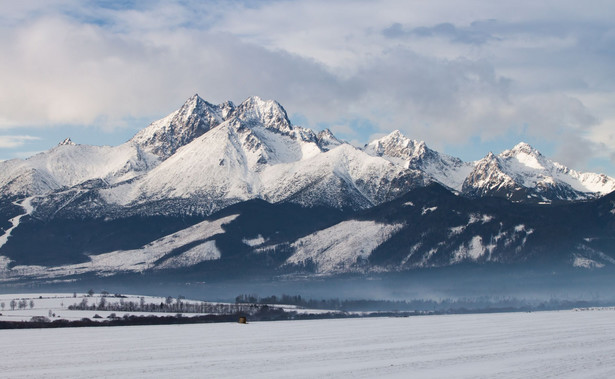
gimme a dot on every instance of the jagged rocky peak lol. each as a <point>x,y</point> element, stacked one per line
<point>67,142</point>
<point>489,160</point>
<point>490,157</point>
<point>226,109</point>
<point>326,140</point>
<point>397,145</point>
<point>195,117</point>
<point>195,111</point>
<point>521,148</point>
<point>484,169</point>
<point>269,113</point>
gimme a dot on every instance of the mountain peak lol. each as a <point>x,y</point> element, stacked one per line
<point>194,104</point>
<point>195,117</point>
<point>326,140</point>
<point>270,113</point>
<point>522,148</point>
<point>67,142</point>
<point>395,134</point>
<point>326,133</point>
<point>395,144</point>
<point>194,97</point>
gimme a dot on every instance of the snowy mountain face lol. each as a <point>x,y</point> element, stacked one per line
<point>397,148</point>
<point>428,227</point>
<point>193,119</point>
<point>68,165</point>
<point>523,174</point>
<point>256,153</point>
<point>163,201</point>
<point>205,157</point>
<point>520,174</point>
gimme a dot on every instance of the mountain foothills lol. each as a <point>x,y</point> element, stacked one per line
<point>232,191</point>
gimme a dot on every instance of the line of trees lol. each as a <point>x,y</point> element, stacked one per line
<point>18,303</point>
<point>170,305</point>
<point>441,305</point>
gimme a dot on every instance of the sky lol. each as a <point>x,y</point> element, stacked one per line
<point>467,77</point>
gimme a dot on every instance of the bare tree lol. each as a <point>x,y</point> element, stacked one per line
<point>13,304</point>
<point>31,304</point>
<point>2,305</point>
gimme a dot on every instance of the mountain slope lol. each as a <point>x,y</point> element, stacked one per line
<point>193,119</point>
<point>245,158</point>
<point>283,200</point>
<point>519,174</point>
<point>203,158</point>
<point>397,148</point>
<point>67,165</point>
<point>428,227</point>
<point>522,174</point>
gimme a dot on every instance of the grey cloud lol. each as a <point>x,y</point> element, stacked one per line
<point>575,151</point>
<point>11,141</point>
<point>62,72</point>
<point>108,76</point>
<point>100,66</point>
<point>474,34</point>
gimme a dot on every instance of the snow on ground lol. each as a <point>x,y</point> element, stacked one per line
<point>564,344</point>
<point>474,218</point>
<point>339,247</point>
<point>584,262</point>
<point>57,304</point>
<point>143,258</point>
<point>425,210</point>
<point>259,240</point>
<point>26,204</point>
<point>472,251</point>
<point>204,252</point>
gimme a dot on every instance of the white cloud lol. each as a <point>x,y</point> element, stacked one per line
<point>439,71</point>
<point>7,142</point>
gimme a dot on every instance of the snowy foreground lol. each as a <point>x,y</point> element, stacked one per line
<point>520,345</point>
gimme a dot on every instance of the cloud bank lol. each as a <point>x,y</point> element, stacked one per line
<point>459,75</point>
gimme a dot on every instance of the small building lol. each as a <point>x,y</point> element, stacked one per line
<point>243,320</point>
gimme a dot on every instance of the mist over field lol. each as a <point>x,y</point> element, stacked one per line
<point>482,285</point>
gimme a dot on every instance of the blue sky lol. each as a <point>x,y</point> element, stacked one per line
<point>467,77</point>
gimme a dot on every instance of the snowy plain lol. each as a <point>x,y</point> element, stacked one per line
<point>506,345</point>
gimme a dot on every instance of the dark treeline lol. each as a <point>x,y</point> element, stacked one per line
<point>459,305</point>
<point>170,305</point>
<point>261,313</point>
<point>119,321</point>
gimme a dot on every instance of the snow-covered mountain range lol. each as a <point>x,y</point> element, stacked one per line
<point>207,156</point>
<point>520,174</point>
<point>202,159</point>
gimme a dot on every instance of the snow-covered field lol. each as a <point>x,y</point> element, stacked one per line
<point>55,306</point>
<point>570,344</point>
